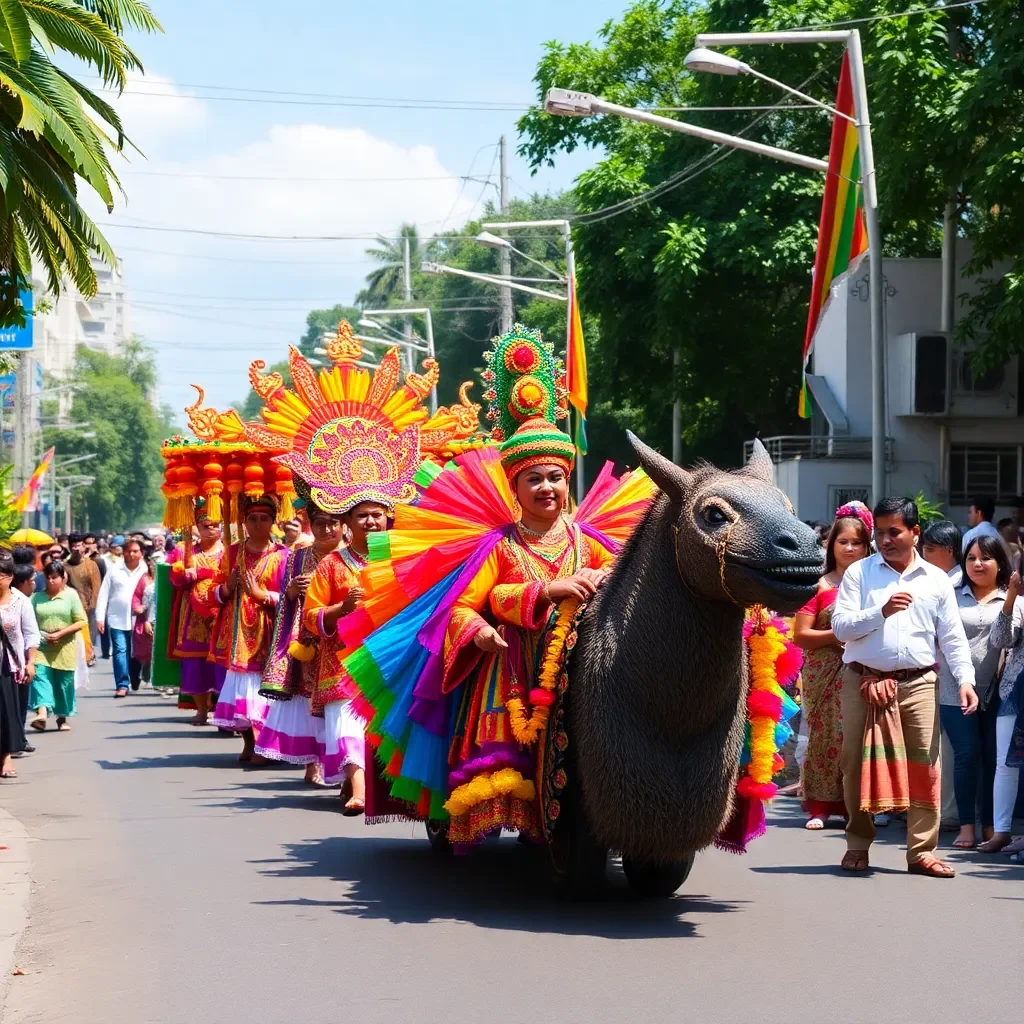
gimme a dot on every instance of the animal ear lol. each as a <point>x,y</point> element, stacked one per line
<point>760,464</point>
<point>672,479</point>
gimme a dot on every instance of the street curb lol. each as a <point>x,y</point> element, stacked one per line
<point>14,893</point>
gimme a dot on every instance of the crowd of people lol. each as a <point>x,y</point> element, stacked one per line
<point>928,626</point>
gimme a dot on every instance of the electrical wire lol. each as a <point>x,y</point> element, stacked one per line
<point>203,175</point>
<point>937,9</point>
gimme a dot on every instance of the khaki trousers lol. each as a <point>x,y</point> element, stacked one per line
<point>919,716</point>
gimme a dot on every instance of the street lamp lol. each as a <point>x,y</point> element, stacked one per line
<point>496,242</point>
<point>862,119</point>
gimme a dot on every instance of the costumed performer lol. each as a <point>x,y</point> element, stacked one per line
<point>191,625</point>
<point>291,732</point>
<point>456,685</point>
<point>354,443</point>
<point>244,600</point>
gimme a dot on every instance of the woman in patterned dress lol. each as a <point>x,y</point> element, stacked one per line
<point>849,540</point>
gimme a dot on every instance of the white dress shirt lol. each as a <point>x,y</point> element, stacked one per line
<point>114,605</point>
<point>983,529</point>
<point>907,639</point>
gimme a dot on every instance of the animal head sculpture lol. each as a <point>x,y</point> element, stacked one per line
<point>735,533</point>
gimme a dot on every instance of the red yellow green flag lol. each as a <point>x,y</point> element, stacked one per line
<point>576,369</point>
<point>28,500</point>
<point>841,238</point>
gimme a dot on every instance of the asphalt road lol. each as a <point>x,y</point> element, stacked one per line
<point>172,886</point>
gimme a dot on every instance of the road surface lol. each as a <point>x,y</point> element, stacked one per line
<point>169,885</point>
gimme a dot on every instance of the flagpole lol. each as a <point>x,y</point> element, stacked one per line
<point>570,272</point>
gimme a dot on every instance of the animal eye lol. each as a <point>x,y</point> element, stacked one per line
<point>714,516</point>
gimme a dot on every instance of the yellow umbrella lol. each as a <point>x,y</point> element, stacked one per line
<point>26,535</point>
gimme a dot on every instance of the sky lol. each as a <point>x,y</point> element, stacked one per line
<point>314,165</point>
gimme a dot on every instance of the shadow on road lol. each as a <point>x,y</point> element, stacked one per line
<point>500,886</point>
<point>221,759</point>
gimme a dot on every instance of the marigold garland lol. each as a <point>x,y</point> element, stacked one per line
<point>772,656</point>
<point>526,730</point>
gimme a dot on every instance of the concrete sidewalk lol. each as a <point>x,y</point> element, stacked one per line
<point>14,891</point>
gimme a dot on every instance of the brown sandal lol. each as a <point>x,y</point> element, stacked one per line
<point>932,867</point>
<point>855,861</point>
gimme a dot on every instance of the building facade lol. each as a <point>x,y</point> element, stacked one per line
<point>951,433</point>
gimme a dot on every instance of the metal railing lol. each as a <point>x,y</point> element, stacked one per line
<point>787,447</point>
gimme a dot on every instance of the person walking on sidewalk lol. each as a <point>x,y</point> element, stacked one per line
<point>60,616</point>
<point>84,576</point>
<point>114,612</point>
<point>894,613</point>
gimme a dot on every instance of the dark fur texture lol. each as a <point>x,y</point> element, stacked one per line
<point>658,680</point>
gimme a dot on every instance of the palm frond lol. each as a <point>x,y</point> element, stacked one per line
<point>100,105</point>
<point>15,30</point>
<point>119,13</point>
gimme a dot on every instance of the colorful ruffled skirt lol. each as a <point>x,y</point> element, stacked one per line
<point>201,676</point>
<point>344,741</point>
<point>291,733</point>
<point>240,705</point>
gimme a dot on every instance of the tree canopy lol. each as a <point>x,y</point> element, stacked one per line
<point>114,397</point>
<point>53,131</point>
<point>682,248</point>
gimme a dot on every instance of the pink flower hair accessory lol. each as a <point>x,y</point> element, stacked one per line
<point>857,510</point>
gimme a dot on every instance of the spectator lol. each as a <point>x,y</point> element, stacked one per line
<point>114,611</point>
<point>25,583</point>
<point>292,531</point>
<point>941,545</point>
<point>822,779</point>
<point>84,576</point>
<point>1011,538</point>
<point>979,519</point>
<point>893,610</point>
<point>1008,634</point>
<point>144,612</point>
<point>20,640</point>
<point>821,529</point>
<point>986,568</point>
<point>60,615</point>
<point>159,548</point>
<point>114,550</point>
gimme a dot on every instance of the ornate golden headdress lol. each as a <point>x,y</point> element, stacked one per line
<point>352,437</point>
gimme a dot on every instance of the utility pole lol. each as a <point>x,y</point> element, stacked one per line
<point>408,301</point>
<point>504,254</point>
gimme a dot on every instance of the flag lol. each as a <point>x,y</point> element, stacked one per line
<point>841,238</point>
<point>28,500</point>
<point>576,369</point>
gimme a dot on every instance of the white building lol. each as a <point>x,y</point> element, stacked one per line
<point>100,322</point>
<point>950,434</point>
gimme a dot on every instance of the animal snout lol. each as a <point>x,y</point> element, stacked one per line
<point>787,541</point>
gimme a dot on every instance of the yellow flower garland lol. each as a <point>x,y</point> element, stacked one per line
<point>526,730</point>
<point>765,643</point>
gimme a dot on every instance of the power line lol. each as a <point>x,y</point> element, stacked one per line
<point>937,9</point>
<point>290,178</point>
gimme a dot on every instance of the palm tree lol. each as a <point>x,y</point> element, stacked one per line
<point>387,281</point>
<point>53,131</point>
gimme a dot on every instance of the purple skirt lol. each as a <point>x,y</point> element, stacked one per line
<point>200,676</point>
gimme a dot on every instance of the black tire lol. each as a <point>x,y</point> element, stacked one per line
<point>437,836</point>
<point>577,862</point>
<point>652,881</point>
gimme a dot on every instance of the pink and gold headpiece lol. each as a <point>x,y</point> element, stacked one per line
<point>857,510</point>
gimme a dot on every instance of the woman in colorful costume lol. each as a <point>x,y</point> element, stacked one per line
<point>485,574</point>
<point>355,442</point>
<point>244,600</point>
<point>191,623</point>
<point>291,731</point>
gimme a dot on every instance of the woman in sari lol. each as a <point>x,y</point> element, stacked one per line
<point>848,541</point>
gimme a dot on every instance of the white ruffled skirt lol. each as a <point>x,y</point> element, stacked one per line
<point>291,733</point>
<point>240,705</point>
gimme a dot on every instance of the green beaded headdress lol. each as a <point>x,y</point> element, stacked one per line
<point>526,391</point>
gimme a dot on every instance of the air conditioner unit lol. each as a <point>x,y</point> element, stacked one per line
<point>930,376</point>
<point>919,374</point>
<point>992,393</point>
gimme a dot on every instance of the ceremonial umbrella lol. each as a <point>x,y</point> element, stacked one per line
<point>26,535</point>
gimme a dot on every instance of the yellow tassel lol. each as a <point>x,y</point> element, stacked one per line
<point>214,508</point>
<point>287,509</point>
<point>301,652</point>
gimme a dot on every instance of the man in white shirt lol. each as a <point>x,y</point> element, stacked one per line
<point>894,613</point>
<point>114,613</point>
<point>979,519</point>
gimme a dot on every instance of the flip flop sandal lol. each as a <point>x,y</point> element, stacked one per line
<point>932,869</point>
<point>39,724</point>
<point>9,774</point>
<point>815,824</point>
<point>963,844</point>
<point>855,861</point>
<point>354,812</point>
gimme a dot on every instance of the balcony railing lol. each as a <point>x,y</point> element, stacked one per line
<point>787,447</point>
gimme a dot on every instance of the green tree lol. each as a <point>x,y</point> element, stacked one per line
<point>114,397</point>
<point>10,518</point>
<point>386,281</point>
<point>703,255</point>
<point>53,131</point>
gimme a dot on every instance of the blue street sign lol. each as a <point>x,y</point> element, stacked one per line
<point>19,339</point>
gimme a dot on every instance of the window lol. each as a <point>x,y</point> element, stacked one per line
<point>976,469</point>
<point>839,496</point>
